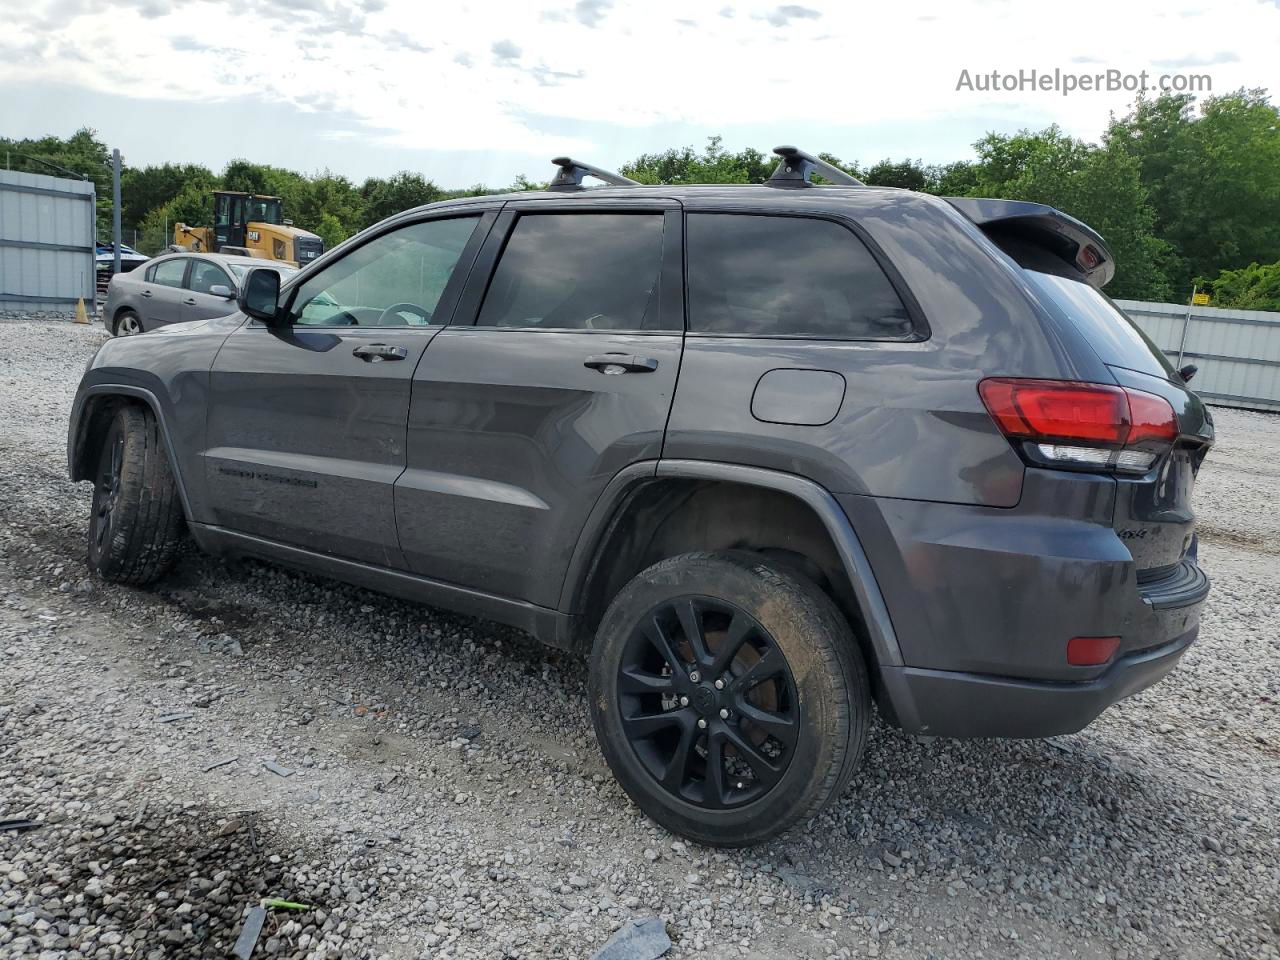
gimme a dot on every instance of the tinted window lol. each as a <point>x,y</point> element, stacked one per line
<point>787,276</point>
<point>169,272</point>
<point>1113,336</point>
<point>578,271</point>
<point>205,275</point>
<point>394,280</point>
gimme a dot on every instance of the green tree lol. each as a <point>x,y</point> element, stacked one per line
<point>330,230</point>
<point>323,195</point>
<point>958,179</point>
<point>404,191</point>
<point>1214,179</point>
<point>260,178</point>
<point>144,189</point>
<point>713,165</point>
<point>1100,185</point>
<point>523,184</point>
<point>908,174</point>
<point>193,206</point>
<point>1255,287</point>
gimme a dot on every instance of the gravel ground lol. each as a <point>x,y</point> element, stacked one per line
<point>444,796</point>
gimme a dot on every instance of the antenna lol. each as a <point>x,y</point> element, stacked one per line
<point>797,167</point>
<point>571,172</point>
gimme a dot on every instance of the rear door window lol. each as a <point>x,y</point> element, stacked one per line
<point>578,271</point>
<point>768,276</point>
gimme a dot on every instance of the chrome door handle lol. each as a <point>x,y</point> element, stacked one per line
<point>620,363</point>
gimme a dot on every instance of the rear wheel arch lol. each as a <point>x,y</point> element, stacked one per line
<point>655,511</point>
<point>94,422</point>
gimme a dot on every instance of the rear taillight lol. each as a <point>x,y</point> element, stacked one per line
<point>1090,426</point>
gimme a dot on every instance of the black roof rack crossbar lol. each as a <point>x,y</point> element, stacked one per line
<point>797,167</point>
<point>571,172</point>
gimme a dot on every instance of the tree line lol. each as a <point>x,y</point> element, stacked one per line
<point>1185,194</point>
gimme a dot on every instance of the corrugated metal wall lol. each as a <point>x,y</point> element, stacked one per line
<point>1237,351</point>
<point>47,228</point>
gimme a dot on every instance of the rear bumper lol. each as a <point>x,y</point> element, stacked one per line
<point>984,602</point>
<point>953,704</point>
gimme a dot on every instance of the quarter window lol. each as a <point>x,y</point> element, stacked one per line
<point>168,273</point>
<point>578,271</point>
<point>788,277</point>
<point>395,280</point>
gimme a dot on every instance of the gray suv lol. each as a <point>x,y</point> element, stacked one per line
<point>767,454</point>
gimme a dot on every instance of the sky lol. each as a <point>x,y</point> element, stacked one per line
<point>469,93</point>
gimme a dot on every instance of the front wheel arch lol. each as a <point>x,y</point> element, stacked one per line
<point>94,420</point>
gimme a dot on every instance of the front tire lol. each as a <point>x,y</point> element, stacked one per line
<point>729,696</point>
<point>137,524</point>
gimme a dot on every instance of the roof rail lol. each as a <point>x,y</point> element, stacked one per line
<point>797,167</point>
<point>571,172</point>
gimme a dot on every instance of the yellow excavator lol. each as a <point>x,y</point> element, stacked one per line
<point>250,225</point>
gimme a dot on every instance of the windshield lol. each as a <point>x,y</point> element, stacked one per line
<point>264,210</point>
<point>1117,340</point>
<point>240,269</point>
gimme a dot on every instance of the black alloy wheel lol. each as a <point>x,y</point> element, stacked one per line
<point>708,702</point>
<point>729,696</point>
<point>106,490</point>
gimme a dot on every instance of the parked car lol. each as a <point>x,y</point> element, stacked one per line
<point>174,289</point>
<point>767,454</point>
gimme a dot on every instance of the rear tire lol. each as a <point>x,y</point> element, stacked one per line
<point>128,324</point>
<point>137,524</point>
<point>729,696</point>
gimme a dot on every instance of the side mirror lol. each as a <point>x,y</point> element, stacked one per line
<point>222,290</point>
<point>1188,372</point>
<point>260,295</point>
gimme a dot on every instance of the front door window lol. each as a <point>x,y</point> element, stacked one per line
<point>395,280</point>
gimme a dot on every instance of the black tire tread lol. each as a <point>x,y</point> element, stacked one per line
<point>151,525</point>
<point>838,649</point>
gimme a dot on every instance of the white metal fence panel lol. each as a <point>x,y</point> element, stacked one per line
<point>1237,351</point>
<point>47,233</point>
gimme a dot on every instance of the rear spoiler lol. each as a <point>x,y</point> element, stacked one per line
<point>1076,243</point>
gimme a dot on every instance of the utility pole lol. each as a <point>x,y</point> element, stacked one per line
<point>115,211</point>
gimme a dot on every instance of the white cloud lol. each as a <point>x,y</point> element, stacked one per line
<point>475,77</point>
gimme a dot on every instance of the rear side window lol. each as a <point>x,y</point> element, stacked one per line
<point>788,277</point>
<point>1114,337</point>
<point>168,273</point>
<point>578,271</point>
